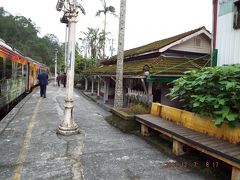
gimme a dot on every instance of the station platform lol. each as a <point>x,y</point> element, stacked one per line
<point>31,149</point>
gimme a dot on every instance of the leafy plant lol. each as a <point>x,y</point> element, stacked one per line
<point>213,91</point>
<point>136,109</point>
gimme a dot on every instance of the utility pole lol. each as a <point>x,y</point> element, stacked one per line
<point>118,99</point>
<point>55,81</point>
<point>71,9</point>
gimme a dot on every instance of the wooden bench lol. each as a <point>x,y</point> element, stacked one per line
<point>219,149</point>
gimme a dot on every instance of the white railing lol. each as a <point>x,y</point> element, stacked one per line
<point>136,97</point>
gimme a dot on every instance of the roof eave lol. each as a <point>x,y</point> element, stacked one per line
<point>201,31</point>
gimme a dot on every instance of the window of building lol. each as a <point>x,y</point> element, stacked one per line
<point>225,7</point>
<point>197,42</point>
<point>236,19</point>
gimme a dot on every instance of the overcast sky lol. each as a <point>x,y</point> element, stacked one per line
<point>146,20</point>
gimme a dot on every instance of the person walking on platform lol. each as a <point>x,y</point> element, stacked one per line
<point>64,79</point>
<point>43,82</point>
<point>58,79</point>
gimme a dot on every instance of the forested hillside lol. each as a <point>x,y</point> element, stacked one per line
<point>21,33</point>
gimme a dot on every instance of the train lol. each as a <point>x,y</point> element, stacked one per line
<point>18,75</point>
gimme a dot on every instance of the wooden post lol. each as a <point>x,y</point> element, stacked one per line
<point>130,83</point>
<point>235,174</point>
<point>144,85</point>
<point>86,84</point>
<point>92,86</point>
<point>177,148</point>
<point>150,88</point>
<point>144,130</point>
<point>107,88</point>
<point>105,91</point>
<point>98,88</point>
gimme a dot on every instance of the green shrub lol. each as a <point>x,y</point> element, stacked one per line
<point>136,109</point>
<point>213,91</point>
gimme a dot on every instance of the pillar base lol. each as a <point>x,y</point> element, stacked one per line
<point>68,130</point>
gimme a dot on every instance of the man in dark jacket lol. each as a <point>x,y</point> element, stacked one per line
<point>43,82</point>
<point>58,79</point>
<point>64,79</point>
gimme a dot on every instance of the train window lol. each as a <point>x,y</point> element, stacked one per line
<point>8,69</point>
<point>19,70</point>
<point>1,68</point>
<point>14,70</point>
<point>24,70</point>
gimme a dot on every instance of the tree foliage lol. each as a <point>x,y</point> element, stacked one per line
<point>105,10</point>
<point>21,33</point>
<point>213,91</point>
<point>93,43</point>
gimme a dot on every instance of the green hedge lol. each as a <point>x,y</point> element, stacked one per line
<point>213,91</point>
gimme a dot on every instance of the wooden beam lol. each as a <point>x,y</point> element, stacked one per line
<point>144,130</point>
<point>113,79</point>
<point>124,76</point>
<point>177,148</point>
<point>100,78</point>
<point>92,86</point>
<point>235,174</point>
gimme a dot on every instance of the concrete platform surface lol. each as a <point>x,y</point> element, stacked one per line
<point>31,149</point>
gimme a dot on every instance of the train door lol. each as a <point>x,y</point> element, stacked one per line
<point>2,82</point>
<point>27,76</point>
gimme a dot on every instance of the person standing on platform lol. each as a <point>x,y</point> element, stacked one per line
<point>58,79</point>
<point>43,82</point>
<point>64,79</point>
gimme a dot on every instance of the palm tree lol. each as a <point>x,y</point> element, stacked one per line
<point>93,42</point>
<point>106,10</point>
<point>118,99</point>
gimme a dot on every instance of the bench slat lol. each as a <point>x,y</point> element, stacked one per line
<point>213,145</point>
